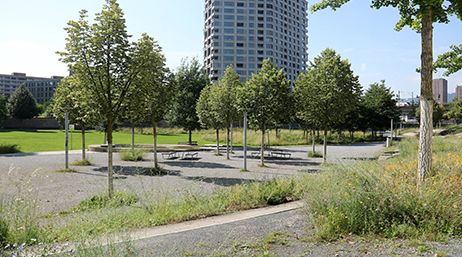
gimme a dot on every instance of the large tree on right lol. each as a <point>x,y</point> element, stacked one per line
<point>419,15</point>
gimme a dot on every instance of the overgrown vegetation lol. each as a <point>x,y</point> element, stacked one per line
<point>132,155</point>
<point>84,162</point>
<point>386,199</point>
<point>9,148</point>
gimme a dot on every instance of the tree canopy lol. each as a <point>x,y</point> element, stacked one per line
<point>191,78</point>
<point>265,96</point>
<point>106,63</point>
<point>328,91</point>
<point>451,61</point>
<point>4,113</point>
<point>22,104</point>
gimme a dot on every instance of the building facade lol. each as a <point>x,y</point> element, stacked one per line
<point>246,32</point>
<point>440,90</point>
<point>41,88</point>
<point>459,93</point>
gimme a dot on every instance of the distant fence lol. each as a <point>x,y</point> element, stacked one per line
<point>35,123</point>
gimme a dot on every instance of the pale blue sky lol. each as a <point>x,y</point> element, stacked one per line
<point>32,30</point>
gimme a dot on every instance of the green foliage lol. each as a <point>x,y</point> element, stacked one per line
<point>206,111</point>
<point>84,162</point>
<point>99,201</point>
<point>382,198</point>
<point>9,148</point>
<point>455,111</point>
<point>265,97</point>
<point>314,155</point>
<point>191,78</point>
<point>4,113</point>
<point>379,106</point>
<point>22,104</point>
<point>155,171</point>
<point>4,231</point>
<point>135,154</point>
<point>451,61</point>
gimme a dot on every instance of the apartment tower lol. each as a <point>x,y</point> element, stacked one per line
<point>246,32</point>
<point>459,93</point>
<point>440,90</point>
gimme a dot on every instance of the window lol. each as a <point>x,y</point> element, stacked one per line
<point>229,17</point>
<point>240,31</point>
<point>240,11</point>
<point>239,51</point>
<point>240,4</point>
<point>251,5</point>
<point>227,44</point>
<point>229,4</point>
<point>228,58</point>
<point>228,38</point>
<point>240,24</point>
<point>240,18</point>
<point>229,10</point>
<point>239,58</point>
<point>251,58</point>
<point>229,31</point>
<point>228,51</point>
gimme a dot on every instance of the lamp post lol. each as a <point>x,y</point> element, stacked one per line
<point>66,128</point>
<point>245,140</point>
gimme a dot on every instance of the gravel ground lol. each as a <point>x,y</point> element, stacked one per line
<point>55,191</point>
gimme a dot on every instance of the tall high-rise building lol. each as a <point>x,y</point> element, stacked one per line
<point>459,93</point>
<point>246,32</point>
<point>440,90</point>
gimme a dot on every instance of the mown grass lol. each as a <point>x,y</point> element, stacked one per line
<point>386,198</point>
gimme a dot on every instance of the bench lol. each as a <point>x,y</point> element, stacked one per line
<point>257,154</point>
<point>280,154</point>
<point>187,143</point>
<point>190,155</point>
<point>169,155</point>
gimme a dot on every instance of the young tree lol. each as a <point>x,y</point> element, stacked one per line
<point>106,63</point>
<point>191,78</point>
<point>419,15</point>
<point>69,97</point>
<point>265,96</point>
<point>329,90</point>
<point>224,100</point>
<point>380,105</point>
<point>4,114</point>
<point>22,104</point>
<point>207,114</point>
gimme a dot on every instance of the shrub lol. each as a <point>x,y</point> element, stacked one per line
<point>136,154</point>
<point>4,232</point>
<point>314,155</point>
<point>9,148</point>
<point>84,162</point>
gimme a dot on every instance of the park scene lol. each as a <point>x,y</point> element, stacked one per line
<point>150,161</point>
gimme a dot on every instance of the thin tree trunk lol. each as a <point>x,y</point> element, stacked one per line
<point>190,137</point>
<point>217,131</point>
<point>83,142</point>
<point>109,159</point>
<point>313,141</point>
<point>154,133</point>
<point>325,145</point>
<point>227,142</point>
<point>268,141</point>
<point>262,149</point>
<point>133,136</point>
<point>426,97</point>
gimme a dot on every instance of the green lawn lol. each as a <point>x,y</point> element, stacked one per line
<point>53,140</point>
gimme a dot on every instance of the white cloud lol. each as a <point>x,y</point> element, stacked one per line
<point>363,67</point>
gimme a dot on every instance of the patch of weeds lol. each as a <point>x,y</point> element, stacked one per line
<point>277,238</point>
<point>420,246</point>
<point>202,245</point>
<point>4,231</point>
<point>119,199</point>
<point>136,154</point>
<point>188,253</point>
<point>84,162</point>
<point>156,171</point>
<point>314,155</point>
<point>243,170</point>
<point>443,253</point>
<point>218,154</point>
<point>9,148</point>
<point>278,191</point>
<point>68,170</point>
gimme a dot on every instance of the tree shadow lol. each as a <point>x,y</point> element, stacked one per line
<point>361,158</point>
<point>191,164</point>
<point>222,181</point>
<point>133,171</point>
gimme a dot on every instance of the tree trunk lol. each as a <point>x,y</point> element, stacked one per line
<point>217,131</point>
<point>325,145</point>
<point>154,133</point>
<point>277,133</point>
<point>133,136</point>
<point>190,137</point>
<point>83,141</point>
<point>262,149</point>
<point>314,141</point>
<point>227,142</point>
<point>110,178</point>
<point>426,97</point>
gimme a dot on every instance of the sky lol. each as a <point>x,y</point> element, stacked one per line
<point>33,30</point>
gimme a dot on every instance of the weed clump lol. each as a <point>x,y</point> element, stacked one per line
<point>9,148</point>
<point>135,154</point>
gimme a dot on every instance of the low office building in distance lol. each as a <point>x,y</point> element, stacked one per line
<point>41,88</point>
<point>440,90</point>
<point>246,32</point>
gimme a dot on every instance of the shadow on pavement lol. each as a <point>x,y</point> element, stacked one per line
<point>221,181</point>
<point>133,171</point>
<point>205,165</point>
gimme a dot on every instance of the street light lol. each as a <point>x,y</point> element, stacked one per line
<point>245,138</point>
